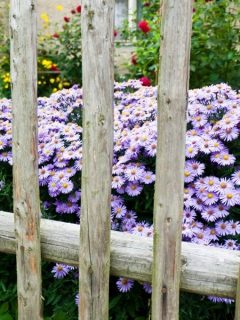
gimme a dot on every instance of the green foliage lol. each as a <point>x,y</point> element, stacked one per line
<point>199,308</point>
<point>67,50</point>
<point>215,52</point>
<point>215,55</point>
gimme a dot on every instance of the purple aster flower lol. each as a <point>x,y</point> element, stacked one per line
<point>210,213</point>
<point>124,284</point>
<point>230,197</point>
<point>236,178</point>
<point>211,234</point>
<point>220,300</point>
<point>148,177</point>
<point>189,215</point>
<point>226,159</point>
<point>209,198</point>
<point>119,211</point>
<point>140,229</point>
<point>133,189</point>
<point>223,228</point>
<point>223,185</point>
<point>77,299</point>
<point>230,244</point>
<point>60,270</point>
<point>53,189</point>
<point>134,173</point>
<point>117,182</point>
<point>70,207</point>
<point>229,134</point>
<point>75,197</point>
<point>147,287</point>
<point>66,186</point>
<point>234,227</point>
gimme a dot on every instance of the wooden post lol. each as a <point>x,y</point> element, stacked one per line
<point>97,55</point>
<point>168,199</point>
<point>132,13</point>
<point>237,299</point>
<point>25,157</point>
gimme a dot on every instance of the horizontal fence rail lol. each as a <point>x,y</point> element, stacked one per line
<point>204,270</point>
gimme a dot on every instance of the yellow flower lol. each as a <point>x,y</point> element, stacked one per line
<point>59,7</point>
<point>66,84</point>
<point>60,86</point>
<point>45,17</point>
<point>39,82</point>
<point>52,80</point>
<point>47,63</point>
<point>55,90</point>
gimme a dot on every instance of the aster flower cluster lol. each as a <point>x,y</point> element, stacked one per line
<point>212,171</point>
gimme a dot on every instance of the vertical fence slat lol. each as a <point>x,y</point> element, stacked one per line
<point>97,55</point>
<point>25,157</point>
<point>168,199</point>
<point>237,299</point>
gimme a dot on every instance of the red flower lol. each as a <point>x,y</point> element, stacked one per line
<point>73,11</point>
<point>66,19</point>
<point>134,59</point>
<point>54,68</point>
<point>145,81</point>
<point>79,9</point>
<point>143,25</point>
<point>115,33</point>
<point>55,35</point>
<point>146,4</point>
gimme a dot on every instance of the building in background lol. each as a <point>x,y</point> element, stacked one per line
<point>56,10</point>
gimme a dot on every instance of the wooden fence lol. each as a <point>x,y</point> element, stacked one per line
<point>197,269</point>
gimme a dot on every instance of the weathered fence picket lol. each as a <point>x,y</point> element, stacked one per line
<point>23,32</point>
<point>168,199</point>
<point>97,67</point>
<point>237,305</point>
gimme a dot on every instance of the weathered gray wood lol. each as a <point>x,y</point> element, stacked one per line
<point>205,270</point>
<point>97,56</point>
<point>168,199</point>
<point>23,21</point>
<point>237,300</point>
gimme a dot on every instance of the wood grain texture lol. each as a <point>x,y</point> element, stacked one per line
<point>204,270</point>
<point>237,300</point>
<point>23,26</point>
<point>97,67</point>
<point>168,198</point>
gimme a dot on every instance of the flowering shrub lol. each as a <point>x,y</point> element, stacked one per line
<point>212,171</point>
<point>49,78</point>
<point>66,47</point>
<point>215,51</point>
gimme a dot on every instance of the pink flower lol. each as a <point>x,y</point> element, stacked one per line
<point>66,19</point>
<point>145,81</point>
<point>55,35</point>
<point>134,59</point>
<point>79,9</point>
<point>143,26</point>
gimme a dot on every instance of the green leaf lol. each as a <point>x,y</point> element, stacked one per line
<point>3,308</point>
<point>114,302</point>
